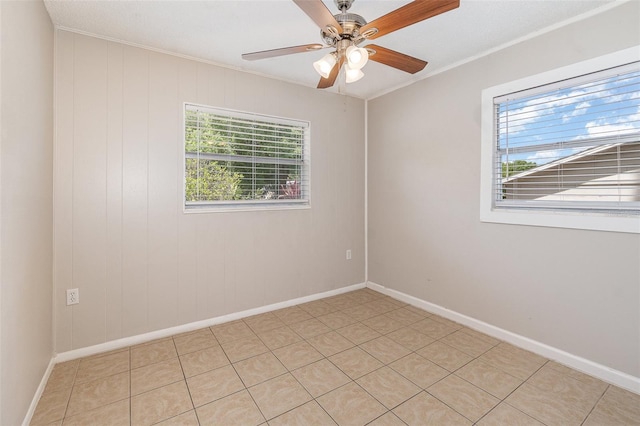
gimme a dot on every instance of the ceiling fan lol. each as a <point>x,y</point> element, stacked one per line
<point>345,31</point>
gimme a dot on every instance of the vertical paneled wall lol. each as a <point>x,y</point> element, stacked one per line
<point>121,235</point>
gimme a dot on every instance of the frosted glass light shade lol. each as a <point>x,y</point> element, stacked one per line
<point>325,65</point>
<point>352,75</point>
<point>357,57</point>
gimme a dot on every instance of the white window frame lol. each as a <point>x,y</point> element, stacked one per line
<point>574,219</point>
<point>249,205</point>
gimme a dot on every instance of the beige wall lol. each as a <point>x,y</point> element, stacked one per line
<point>578,291</point>
<point>26,161</point>
<point>121,236</point>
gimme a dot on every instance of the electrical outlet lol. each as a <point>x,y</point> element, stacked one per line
<point>349,254</point>
<point>73,296</point>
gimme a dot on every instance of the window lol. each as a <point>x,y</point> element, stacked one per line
<point>566,146</point>
<point>237,160</point>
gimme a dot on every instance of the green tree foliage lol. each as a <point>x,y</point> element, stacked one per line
<point>219,178</point>
<point>211,181</point>
<point>514,167</point>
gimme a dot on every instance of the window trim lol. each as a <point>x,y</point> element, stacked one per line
<point>602,221</point>
<point>245,205</point>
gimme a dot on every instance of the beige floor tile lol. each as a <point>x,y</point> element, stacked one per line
<point>383,324</point>
<point>489,378</point>
<point>410,338</point>
<point>418,311</point>
<point>95,368</point>
<point>185,419</point>
<point>351,405</point>
<point>259,368</point>
<point>336,320</point>
<point>264,322</point>
<point>231,331</point>
<point>236,409</point>
<point>160,404</point>
<point>405,316</point>
<point>292,315</point>
<point>62,376</point>
<point>214,384</point>
<point>617,407</point>
<point>385,349</point>
<point>582,395</point>
<point>388,387</point>
<point>116,414</point>
<point>550,408</point>
<point>517,362</point>
<point>96,393</point>
<point>317,308</point>
<point>382,306</point>
<point>151,353</point>
<point>196,341</point>
<point>387,419</point>
<point>279,337</point>
<point>358,333</point>
<point>591,382</point>
<point>340,301</point>
<point>446,321</point>
<point>481,336</point>
<point>364,296</point>
<point>361,312</point>
<point>355,362</point>
<point>419,370</point>
<point>320,377</point>
<point>444,355</point>
<point>425,410</point>
<point>51,407</point>
<point>154,376</point>
<point>279,395</point>
<point>504,414</point>
<point>204,360</point>
<point>297,355</point>
<point>329,343</point>
<point>466,343</point>
<point>467,399</point>
<point>309,414</point>
<point>432,328</point>
<point>97,389</point>
<point>240,349</point>
<point>309,328</point>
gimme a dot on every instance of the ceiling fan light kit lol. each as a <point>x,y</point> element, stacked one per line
<point>325,65</point>
<point>352,75</point>
<point>345,31</point>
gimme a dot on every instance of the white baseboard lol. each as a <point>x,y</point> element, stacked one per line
<point>600,371</point>
<point>38,394</point>
<point>158,334</point>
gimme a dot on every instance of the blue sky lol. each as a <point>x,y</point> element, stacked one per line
<point>599,108</point>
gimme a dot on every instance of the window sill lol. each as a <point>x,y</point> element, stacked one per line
<point>209,208</point>
<point>610,222</point>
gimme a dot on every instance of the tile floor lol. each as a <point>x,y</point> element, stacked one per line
<point>353,359</point>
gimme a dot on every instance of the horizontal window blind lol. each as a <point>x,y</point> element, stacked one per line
<point>573,144</point>
<point>241,159</point>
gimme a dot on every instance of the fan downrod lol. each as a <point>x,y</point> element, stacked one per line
<point>343,5</point>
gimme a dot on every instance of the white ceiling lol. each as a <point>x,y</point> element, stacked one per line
<point>219,31</point>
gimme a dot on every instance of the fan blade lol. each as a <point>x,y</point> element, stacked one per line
<point>409,14</point>
<point>396,59</point>
<point>319,13</point>
<point>281,52</point>
<point>325,83</point>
